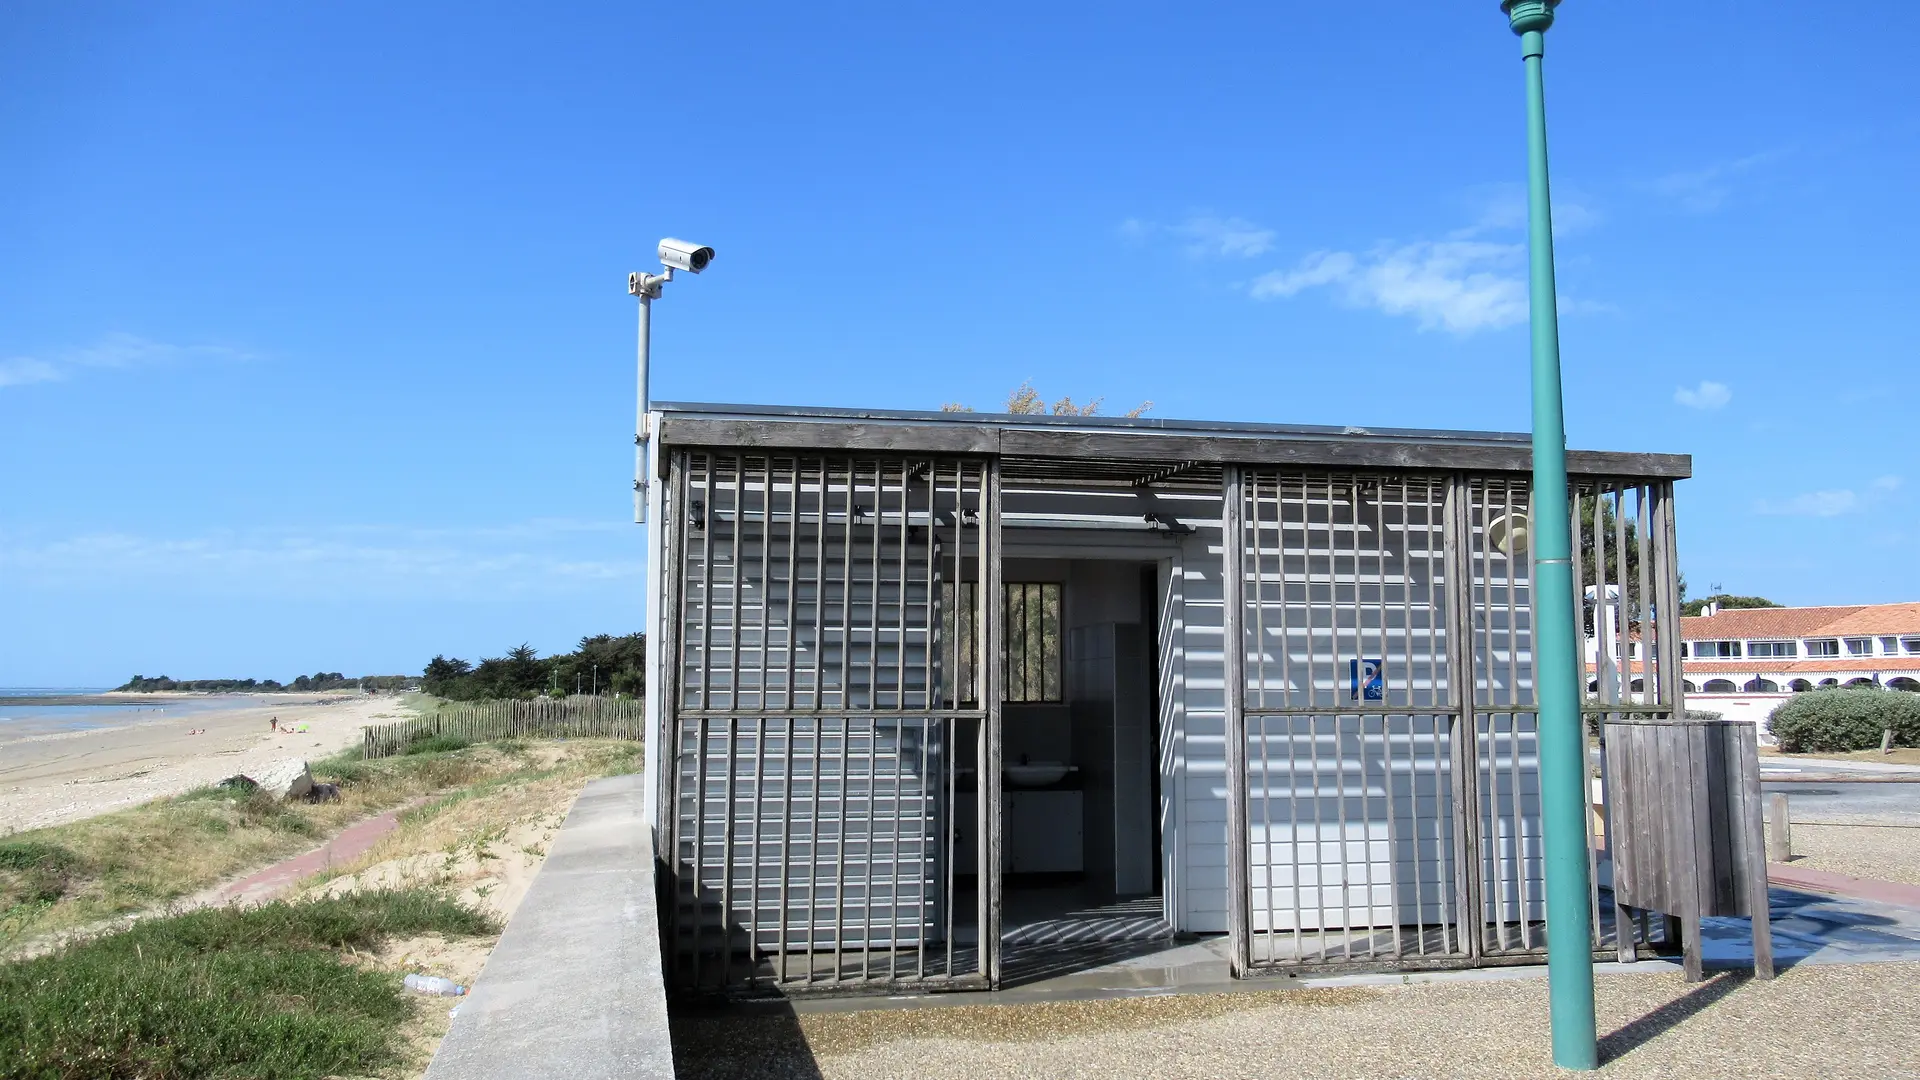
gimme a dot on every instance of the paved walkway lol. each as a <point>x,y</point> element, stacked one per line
<point>1883,892</point>
<point>352,842</point>
<point>1799,768</point>
<point>574,988</point>
<point>1808,928</point>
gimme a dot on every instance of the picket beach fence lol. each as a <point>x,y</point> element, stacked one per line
<point>578,717</point>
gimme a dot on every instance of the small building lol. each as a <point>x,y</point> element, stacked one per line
<point>947,701</point>
<point>1745,661</point>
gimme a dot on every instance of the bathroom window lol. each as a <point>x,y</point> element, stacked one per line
<point>1035,672</point>
<point>957,652</point>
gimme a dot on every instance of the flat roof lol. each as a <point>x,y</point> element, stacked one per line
<point>1127,438</point>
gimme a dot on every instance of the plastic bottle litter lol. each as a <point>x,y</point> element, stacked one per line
<point>434,984</point>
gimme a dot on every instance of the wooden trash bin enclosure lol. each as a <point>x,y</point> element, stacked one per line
<point>1686,833</point>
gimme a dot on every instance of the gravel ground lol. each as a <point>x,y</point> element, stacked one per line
<point>1814,1021</point>
<point>1863,850</point>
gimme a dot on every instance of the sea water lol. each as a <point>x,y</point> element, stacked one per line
<point>22,721</point>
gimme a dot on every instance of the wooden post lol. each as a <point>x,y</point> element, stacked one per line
<point>1758,905</point>
<point>1233,651</point>
<point>1779,838</point>
<point>1886,741</point>
<point>1464,744</point>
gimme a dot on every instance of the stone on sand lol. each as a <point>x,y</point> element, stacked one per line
<point>285,779</point>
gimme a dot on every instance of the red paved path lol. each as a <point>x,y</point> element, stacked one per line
<point>351,842</point>
<point>1885,892</point>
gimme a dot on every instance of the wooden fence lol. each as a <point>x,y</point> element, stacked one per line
<point>579,717</point>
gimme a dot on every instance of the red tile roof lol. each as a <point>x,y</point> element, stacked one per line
<point>1907,665</point>
<point>1859,620</point>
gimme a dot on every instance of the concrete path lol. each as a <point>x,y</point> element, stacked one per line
<point>1811,928</point>
<point>1808,928</point>
<point>574,988</point>
<point>1894,802</point>
<point>1795,768</point>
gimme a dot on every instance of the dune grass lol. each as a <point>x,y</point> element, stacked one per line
<point>145,857</point>
<point>223,992</point>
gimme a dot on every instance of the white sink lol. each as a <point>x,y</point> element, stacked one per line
<point>1037,774</point>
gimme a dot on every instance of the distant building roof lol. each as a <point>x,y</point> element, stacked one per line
<point>1859,620</point>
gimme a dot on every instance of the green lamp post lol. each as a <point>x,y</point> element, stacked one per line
<point>1563,764</point>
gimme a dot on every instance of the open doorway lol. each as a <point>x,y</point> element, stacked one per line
<point>1081,857</point>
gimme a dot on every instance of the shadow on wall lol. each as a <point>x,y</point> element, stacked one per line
<point>737,1042</point>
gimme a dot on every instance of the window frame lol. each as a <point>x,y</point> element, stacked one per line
<point>1719,649</point>
<point>1024,666</point>
<point>1818,648</point>
<point>1772,650</point>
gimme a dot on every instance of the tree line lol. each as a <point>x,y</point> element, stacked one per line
<point>603,664</point>
<point>303,684</point>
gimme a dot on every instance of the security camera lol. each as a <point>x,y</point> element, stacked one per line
<point>684,256</point>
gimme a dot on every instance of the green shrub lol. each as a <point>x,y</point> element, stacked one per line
<point>33,872</point>
<point>428,743</point>
<point>346,768</point>
<point>1841,719</point>
<point>223,992</point>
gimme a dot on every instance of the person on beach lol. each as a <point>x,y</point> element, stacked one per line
<point>273,723</point>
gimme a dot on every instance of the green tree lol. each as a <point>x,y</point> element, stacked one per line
<point>1727,602</point>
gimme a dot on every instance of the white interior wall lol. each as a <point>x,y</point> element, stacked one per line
<point>1199,757</point>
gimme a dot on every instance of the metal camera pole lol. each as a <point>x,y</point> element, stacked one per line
<point>674,255</point>
<point>647,288</point>
<point>1563,764</point>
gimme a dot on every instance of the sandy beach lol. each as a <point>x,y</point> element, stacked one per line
<point>47,779</point>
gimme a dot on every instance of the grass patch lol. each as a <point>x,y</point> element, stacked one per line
<point>223,992</point>
<point>426,743</point>
<point>145,857</point>
<point>32,872</point>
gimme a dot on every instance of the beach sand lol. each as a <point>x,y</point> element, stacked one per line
<point>55,778</point>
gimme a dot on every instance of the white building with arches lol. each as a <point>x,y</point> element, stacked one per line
<point>1744,661</point>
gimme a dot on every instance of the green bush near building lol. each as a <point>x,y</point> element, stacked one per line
<point>1841,719</point>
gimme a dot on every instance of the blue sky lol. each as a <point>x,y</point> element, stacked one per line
<point>315,350</point>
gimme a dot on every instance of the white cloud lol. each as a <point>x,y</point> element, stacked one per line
<point>1703,190</point>
<point>22,370</point>
<point>1319,268</point>
<point>1813,504</point>
<point>1708,395</point>
<point>1503,208</point>
<point>1580,305</point>
<point>113,351</point>
<point>1461,286</point>
<point>1878,493</point>
<point>1232,237</point>
<point>1206,235</point>
<point>334,562</point>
